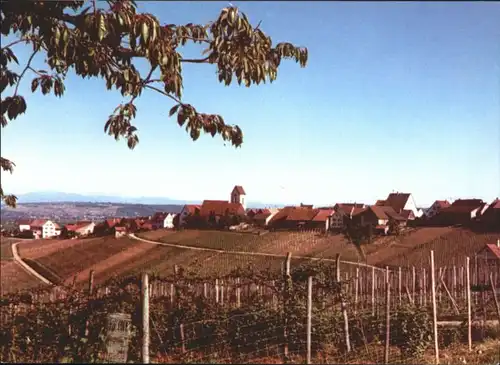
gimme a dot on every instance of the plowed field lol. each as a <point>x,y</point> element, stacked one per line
<point>109,256</point>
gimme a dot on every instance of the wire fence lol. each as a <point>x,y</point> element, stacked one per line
<point>309,313</point>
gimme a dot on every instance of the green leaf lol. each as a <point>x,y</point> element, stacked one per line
<point>102,27</point>
<point>173,110</point>
<point>145,32</point>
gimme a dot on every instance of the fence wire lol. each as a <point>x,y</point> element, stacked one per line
<point>255,317</point>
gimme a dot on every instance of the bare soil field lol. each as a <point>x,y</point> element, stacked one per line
<point>386,248</point>
<point>449,249</point>
<point>110,257</point>
<point>67,258</point>
<point>298,243</point>
<point>13,277</point>
<point>5,248</point>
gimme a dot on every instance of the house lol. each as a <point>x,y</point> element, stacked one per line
<point>322,219</point>
<point>379,217</point>
<point>81,228</point>
<point>120,231</point>
<point>262,217</point>
<point>401,201</point>
<point>491,215</point>
<point>168,222</point>
<point>490,252</point>
<point>238,196</point>
<point>291,217</point>
<point>106,227</point>
<point>45,228</point>
<point>343,211</point>
<point>461,211</point>
<point>436,207</point>
<point>220,208</point>
<point>189,209</point>
<point>163,220</point>
<point>24,225</point>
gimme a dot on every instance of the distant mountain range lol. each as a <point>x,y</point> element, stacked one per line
<point>60,197</point>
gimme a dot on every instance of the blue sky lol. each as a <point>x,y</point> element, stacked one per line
<point>396,96</point>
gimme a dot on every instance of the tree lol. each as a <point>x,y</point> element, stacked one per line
<point>107,42</point>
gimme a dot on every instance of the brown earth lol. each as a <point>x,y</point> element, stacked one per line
<point>113,257</point>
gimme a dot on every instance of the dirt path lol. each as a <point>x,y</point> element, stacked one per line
<point>26,267</point>
<point>244,253</point>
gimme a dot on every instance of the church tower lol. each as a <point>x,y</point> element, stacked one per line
<point>238,195</point>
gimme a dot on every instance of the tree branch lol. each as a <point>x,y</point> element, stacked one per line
<point>28,66</point>
<point>203,60</point>
<point>164,93</point>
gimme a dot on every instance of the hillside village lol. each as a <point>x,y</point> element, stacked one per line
<point>384,217</point>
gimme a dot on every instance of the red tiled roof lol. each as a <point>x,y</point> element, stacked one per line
<point>463,206</point>
<point>385,213</point>
<point>261,216</point>
<point>120,229</point>
<point>78,225</point>
<point>24,222</point>
<point>112,222</point>
<point>219,207</point>
<point>301,214</point>
<point>442,203</point>
<point>37,223</point>
<point>323,215</point>
<point>239,189</point>
<point>397,201</point>
<point>380,202</point>
<point>191,208</point>
<point>495,250</point>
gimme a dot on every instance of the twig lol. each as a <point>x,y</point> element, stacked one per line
<point>28,65</point>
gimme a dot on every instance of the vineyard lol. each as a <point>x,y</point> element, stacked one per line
<point>313,312</point>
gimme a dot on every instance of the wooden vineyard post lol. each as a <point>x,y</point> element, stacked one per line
<point>493,290</point>
<point>467,285</point>
<point>373,291</point>
<point>434,309</point>
<point>476,274</point>
<point>238,292</point>
<point>454,290</point>
<point>400,286</point>
<point>356,289</point>
<point>91,282</point>
<point>425,287</point>
<point>387,315</point>
<point>145,318</point>
<point>172,294</point>
<point>222,292</point>
<point>287,280</point>
<point>216,291</point>
<point>343,306</point>
<point>309,317</point>
<point>413,283</point>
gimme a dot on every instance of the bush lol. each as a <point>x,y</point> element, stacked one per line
<point>411,331</point>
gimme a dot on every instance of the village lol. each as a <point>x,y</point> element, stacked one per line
<point>384,217</point>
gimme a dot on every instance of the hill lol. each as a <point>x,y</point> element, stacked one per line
<point>109,256</point>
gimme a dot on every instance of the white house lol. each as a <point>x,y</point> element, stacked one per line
<point>45,228</point>
<point>168,222</point>
<point>82,228</point>
<point>238,195</point>
<point>400,202</point>
<point>24,225</point>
